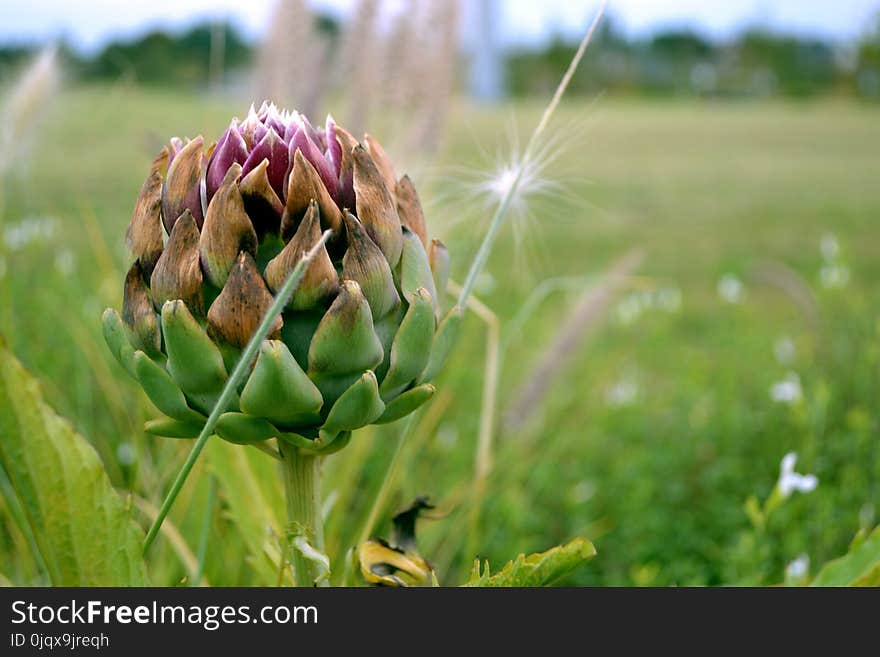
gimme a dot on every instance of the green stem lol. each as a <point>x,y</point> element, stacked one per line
<point>229,390</point>
<point>302,488</point>
<point>488,242</point>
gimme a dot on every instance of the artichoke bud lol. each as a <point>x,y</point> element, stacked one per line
<point>227,230</point>
<point>262,204</point>
<point>358,406</point>
<point>303,186</point>
<point>178,274</point>
<point>231,149</point>
<point>320,280</point>
<point>438,258</point>
<point>279,390</point>
<point>412,345</point>
<point>194,361</point>
<point>375,208</point>
<point>358,342</point>
<point>305,144</point>
<point>383,164</point>
<point>160,162</point>
<point>415,272</point>
<point>345,343</point>
<point>235,315</point>
<point>347,144</point>
<point>138,314</point>
<point>272,149</point>
<point>410,209</point>
<point>365,263</point>
<point>182,188</point>
<point>144,234</point>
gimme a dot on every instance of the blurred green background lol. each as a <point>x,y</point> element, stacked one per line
<point>751,328</point>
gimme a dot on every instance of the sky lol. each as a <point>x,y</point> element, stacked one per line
<point>90,23</point>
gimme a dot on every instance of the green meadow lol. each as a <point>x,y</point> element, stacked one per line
<point>749,329</point>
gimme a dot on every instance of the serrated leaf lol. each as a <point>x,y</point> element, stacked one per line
<point>858,567</point>
<point>540,569</point>
<point>82,528</point>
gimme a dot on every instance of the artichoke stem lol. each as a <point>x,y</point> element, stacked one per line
<point>302,487</point>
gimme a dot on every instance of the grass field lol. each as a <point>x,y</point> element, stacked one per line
<point>759,228</point>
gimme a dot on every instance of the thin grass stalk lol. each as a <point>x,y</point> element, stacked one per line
<point>585,315</point>
<point>488,408</point>
<point>238,373</point>
<point>178,543</point>
<point>479,262</point>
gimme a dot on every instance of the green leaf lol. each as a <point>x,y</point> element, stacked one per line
<point>194,361</point>
<point>117,341</point>
<point>243,429</point>
<point>278,389</point>
<point>166,428</point>
<point>406,403</point>
<point>858,567</point>
<point>412,346</point>
<point>357,407</point>
<point>163,391</point>
<point>83,530</point>
<point>540,569</point>
<point>444,341</point>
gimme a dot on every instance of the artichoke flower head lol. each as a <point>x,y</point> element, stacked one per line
<point>215,233</point>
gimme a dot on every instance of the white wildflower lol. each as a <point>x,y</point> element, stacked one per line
<point>788,390</point>
<point>65,262</point>
<point>582,491</point>
<point>829,246</point>
<point>622,393</point>
<point>799,568</point>
<point>125,454</point>
<point>33,229</point>
<point>730,289</point>
<point>668,299</point>
<point>629,309</point>
<point>784,350</point>
<point>834,276</point>
<point>447,436</point>
<point>791,481</point>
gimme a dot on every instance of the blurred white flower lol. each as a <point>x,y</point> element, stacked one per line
<point>784,350</point>
<point>668,299</point>
<point>787,391</point>
<point>798,568</point>
<point>629,309</point>
<point>829,246</point>
<point>834,275</point>
<point>622,393</point>
<point>582,491</point>
<point>125,454</point>
<point>790,481</point>
<point>447,436</point>
<point>64,262</point>
<point>730,288</point>
<point>32,229</point>
<point>485,284</point>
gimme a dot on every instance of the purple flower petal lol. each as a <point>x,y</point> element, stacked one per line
<point>272,148</point>
<point>252,129</point>
<point>334,149</point>
<point>314,155</point>
<point>231,148</point>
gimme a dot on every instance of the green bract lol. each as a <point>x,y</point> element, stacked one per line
<point>215,234</point>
